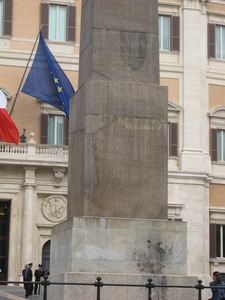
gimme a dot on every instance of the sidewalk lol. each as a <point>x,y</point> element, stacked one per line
<point>14,293</point>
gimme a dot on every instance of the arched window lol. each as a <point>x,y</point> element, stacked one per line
<point>46,256</point>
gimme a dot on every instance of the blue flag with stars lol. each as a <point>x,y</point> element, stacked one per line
<point>47,81</point>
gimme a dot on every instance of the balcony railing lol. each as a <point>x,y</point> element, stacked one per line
<point>30,152</point>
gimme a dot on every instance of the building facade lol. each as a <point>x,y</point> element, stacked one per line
<point>33,175</point>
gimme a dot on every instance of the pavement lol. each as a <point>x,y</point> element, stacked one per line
<point>13,292</point>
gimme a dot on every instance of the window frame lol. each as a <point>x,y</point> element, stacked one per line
<point>172,139</point>
<point>217,123</point>
<point>6,18</point>
<point>213,246</point>
<point>173,127</point>
<point>45,128</point>
<point>70,21</point>
<point>174,31</point>
<point>55,129</point>
<point>212,41</point>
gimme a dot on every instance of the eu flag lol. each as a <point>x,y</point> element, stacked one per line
<point>47,81</point>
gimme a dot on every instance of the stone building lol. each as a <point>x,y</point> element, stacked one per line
<point>33,175</point>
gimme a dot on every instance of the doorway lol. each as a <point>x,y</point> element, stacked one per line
<point>4,238</point>
<point>46,256</point>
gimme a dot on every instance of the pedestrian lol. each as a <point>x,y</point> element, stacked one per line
<point>31,287</point>
<point>27,276</point>
<point>217,294</point>
<point>38,274</point>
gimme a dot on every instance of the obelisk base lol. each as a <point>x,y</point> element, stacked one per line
<point>119,251</point>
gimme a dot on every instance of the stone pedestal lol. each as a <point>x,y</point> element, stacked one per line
<point>120,251</point>
<point>114,245</point>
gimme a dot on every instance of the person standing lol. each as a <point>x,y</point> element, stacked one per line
<point>31,287</point>
<point>27,276</point>
<point>217,294</point>
<point>38,274</point>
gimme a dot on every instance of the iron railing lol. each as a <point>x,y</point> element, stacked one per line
<point>99,284</point>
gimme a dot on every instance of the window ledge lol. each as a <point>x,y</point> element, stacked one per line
<point>219,163</point>
<point>217,260</point>
<point>173,163</point>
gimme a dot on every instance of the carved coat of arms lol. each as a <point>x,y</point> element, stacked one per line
<point>133,49</point>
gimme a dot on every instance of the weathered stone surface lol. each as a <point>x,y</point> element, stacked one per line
<point>118,151</point>
<point>111,245</point>
<point>118,120</point>
<point>119,41</point>
<point>122,292</point>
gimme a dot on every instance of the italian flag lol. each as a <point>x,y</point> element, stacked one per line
<point>8,130</point>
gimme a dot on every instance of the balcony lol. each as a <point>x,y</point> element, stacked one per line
<point>33,154</point>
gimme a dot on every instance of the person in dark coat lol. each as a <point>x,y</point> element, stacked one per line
<point>217,294</point>
<point>31,286</point>
<point>27,276</point>
<point>38,274</point>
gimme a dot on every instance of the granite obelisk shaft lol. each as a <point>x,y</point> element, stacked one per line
<point>118,117</point>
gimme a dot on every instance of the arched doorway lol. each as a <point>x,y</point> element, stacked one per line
<point>46,256</point>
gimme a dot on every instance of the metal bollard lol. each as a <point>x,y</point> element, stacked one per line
<point>150,285</point>
<point>200,287</point>
<point>45,283</point>
<point>98,284</point>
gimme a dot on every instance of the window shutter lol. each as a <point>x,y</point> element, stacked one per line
<point>211,41</point>
<point>173,139</point>
<point>214,144</point>
<point>71,23</point>
<point>212,240</point>
<point>44,19</point>
<point>44,128</point>
<point>66,131</point>
<point>7,18</point>
<point>175,33</point>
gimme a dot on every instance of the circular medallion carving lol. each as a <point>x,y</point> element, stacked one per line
<point>54,208</point>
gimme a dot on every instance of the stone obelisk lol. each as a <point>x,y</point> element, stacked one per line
<point>117,224</point>
<point>118,120</point>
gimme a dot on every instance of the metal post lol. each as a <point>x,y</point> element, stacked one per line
<point>200,287</point>
<point>45,283</point>
<point>98,284</point>
<point>150,285</point>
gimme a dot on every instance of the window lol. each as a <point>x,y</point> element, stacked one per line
<point>220,240</point>
<point>217,123</point>
<point>1,17</point>
<point>220,145</point>
<point>58,22</point>
<point>173,120</point>
<point>217,240</point>
<point>164,33</point>
<point>169,31</point>
<point>216,41</point>
<point>6,17</point>
<point>54,129</point>
<point>220,42</point>
<point>172,139</point>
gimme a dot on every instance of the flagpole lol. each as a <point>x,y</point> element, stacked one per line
<point>14,102</point>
